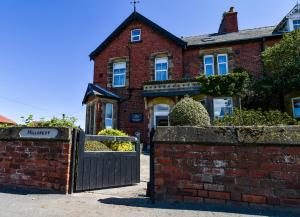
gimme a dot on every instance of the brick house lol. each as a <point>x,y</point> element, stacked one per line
<point>141,70</point>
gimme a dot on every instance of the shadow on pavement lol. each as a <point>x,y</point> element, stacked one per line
<point>24,191</point>
<point>253,210</point>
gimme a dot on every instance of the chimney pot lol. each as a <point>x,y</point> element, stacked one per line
<point>231,10</point>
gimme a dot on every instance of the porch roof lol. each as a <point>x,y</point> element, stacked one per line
<point>96,90</point>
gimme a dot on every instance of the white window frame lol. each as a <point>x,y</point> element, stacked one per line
<point>112,115</point>
<point>115,68</point>
<point>297,24</point>
<point>294,115</point>
<point>162,60</point>
<point>212,64</point>
<point>133,36</point>
<point>220,55</point>
<point>214,105</point>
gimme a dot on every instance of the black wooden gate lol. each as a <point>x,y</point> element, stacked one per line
<point>98,170</point>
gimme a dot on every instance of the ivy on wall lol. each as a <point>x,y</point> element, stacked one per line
<point>235,83</point>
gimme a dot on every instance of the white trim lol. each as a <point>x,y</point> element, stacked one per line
<point>212,64</point>
<point>119,65</point>
<point>160,61</point>
<point>220,55</point>
<point>294,107</point>
<point>112,115</point>
<point>132,36</point>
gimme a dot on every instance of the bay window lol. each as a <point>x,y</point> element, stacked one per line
<point>108,116</point>
<point>296,107</point>
<point>222,107</point>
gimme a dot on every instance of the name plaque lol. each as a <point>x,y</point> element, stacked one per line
<point>136,117</point>
<point>38,133</point>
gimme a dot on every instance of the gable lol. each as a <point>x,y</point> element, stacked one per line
<point>135,16</point>
<point>285,24</point>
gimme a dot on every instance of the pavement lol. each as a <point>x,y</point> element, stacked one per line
<point>126,202</point>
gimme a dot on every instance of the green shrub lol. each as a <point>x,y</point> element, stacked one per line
<point>53,122</point>
<point>255,118</point>
<point>188,112</point>
<point>235,83</point>
<point>95,146</point>
<point>116,146</point>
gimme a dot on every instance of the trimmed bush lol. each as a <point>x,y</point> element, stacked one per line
<point>116,146</point>
<point>95,146</point>
<point>188,112</point>
<point>255,118</point>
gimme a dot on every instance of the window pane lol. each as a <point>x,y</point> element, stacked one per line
<point>163,75</point>
<point>136,32</point>
<point>208,60</point>
<point>296,106</point>
<point>222,107</point>
<point>158,66</point>
<point>108,123</point>
<point>222,59</point>
<point>209,70</point>
<point>222,69</point>
<point>164,66</point>
<point>109,110</point>
<point>119,74</point>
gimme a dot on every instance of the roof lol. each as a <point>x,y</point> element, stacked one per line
<point>282,24</point>
<point>135,16</point>
<point>4,120</point>
<point>242,35</point>
<point>96,90</point>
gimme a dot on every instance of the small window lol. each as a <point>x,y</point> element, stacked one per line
<point>209,65</point>
<point>222,64</point>
<point>222,107</point>
<point>136,35</point>
<point>119,74</point>
<point>296,107</point>
<point>296,24</point>
<point>108,116</point>
<point>161,69</point>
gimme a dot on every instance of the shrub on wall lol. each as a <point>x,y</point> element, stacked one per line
<point>188,112</point>
<point>53,122</point>
<point>235,83</point>
<point>255,118</point>
<point>116,146</point>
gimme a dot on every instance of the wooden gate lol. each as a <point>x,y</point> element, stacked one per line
<point>98,170</point>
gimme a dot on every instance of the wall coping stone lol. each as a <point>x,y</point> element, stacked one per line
<point>12,133</point>
<point>244,135</point>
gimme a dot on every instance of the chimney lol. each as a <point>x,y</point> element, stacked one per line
<point>229,22</point>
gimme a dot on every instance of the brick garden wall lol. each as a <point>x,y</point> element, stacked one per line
<point>31,163</point>
<point>228,165</point>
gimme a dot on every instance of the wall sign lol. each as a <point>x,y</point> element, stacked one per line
<point>38,133</point>
<point>136,117</point>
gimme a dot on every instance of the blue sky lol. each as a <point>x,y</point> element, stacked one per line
<point>44,45</point>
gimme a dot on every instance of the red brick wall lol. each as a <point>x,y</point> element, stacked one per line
<point>268,175</point>
<point>35,164</point>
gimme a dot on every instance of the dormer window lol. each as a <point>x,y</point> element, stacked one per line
<point>296,24</point>
<point>136,35</point>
